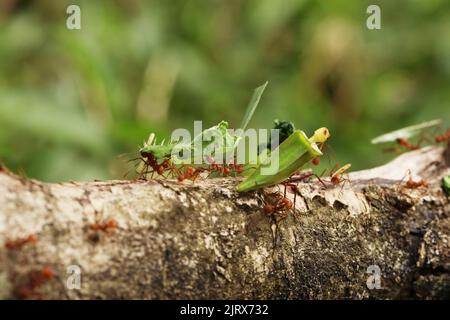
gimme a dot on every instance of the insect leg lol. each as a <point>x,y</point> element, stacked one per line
<point>321,181</point>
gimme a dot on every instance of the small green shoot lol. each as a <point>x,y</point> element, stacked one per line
<point>254,101</point>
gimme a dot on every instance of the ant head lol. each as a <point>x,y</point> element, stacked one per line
<point>146,154</point>
<point>111,223</point>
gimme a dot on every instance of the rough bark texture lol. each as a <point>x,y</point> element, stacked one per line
<point>204,240</point>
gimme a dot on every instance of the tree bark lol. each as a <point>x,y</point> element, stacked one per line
<point>204,240</point>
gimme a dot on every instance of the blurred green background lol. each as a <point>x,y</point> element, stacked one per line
<point>71,101</point>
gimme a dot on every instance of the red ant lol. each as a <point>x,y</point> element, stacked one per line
<point>19,243</point>
<point>411,184</point>
<point>279,202</point>
<point>41,276</point>
<point>336,172</point>
<point>225,170</point>
<point>37,278</point>
<point>190,173</point>
<point>237,168</point>
<point>276,202</point>
<point>300,177</point>
<point>405,143</point>
<point>106,226</point>
<point>336,177</point>
<point>443,137</point>
<point>151,162</point>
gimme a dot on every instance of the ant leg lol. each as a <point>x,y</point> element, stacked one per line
<point>278,187</point>
<point>138,158</point>
<point>143,172</point>
<point>129,171</point>
<point>321,181</point>
<point>332,156</point>
<point>435,133</point>
<point>422,138</point>
<point>400,183</point>
<point>208,169</point>
<point>194,178</point>
<point>140,174</point>
<point>427,138</point>
<point>295,199</point>
<point>294,190</point>
<point>196,175</point>
<point>344,181</point>
<point>281,216</point>
<point>174,171</point>
<point>147,171</point>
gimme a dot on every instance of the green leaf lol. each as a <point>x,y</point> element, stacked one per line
<point>293,153</point>
<point>406,132</point>
<point>226,143</point>
<point>252,105</point>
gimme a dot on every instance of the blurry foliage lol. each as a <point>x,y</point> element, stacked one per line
<point>72,101</point>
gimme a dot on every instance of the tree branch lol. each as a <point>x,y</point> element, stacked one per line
<point>204,240</point>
